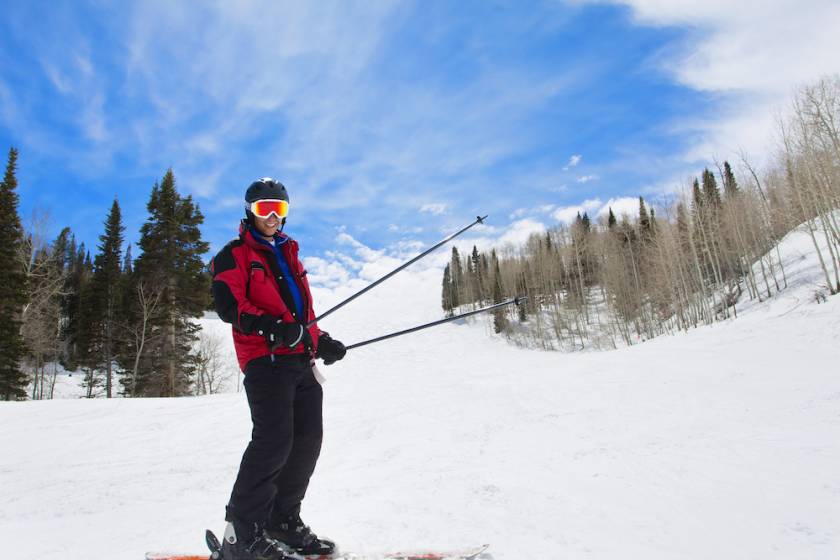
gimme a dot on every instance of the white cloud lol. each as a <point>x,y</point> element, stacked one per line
<point>522,212</point>
<point>573,161</point>
<point>596,208</point>
<point>519,231</point>
<point>568,214</point>
<point>587,178</point>
<point>435,208</point>
<point>626,205</point>
<point>326,273</point>
<point>755,53</point>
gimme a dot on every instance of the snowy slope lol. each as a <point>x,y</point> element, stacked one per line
<point>723,442</point>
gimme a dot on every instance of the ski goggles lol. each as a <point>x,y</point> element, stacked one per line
<point>266,207</point>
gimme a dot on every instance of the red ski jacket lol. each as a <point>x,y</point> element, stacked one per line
<point>247,283</point>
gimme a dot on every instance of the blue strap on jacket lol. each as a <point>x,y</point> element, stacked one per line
<point>276,247</point>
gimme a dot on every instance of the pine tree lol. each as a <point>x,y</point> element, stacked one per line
<point>711,192</point>
<point>86,337</point>
<point>730,185</point>
<point>75,314</point>
<point>457,273</point>
<point>522,290</point>
<point>477,276</point>
<point>499,319</point>
<point>586,223</point>
<point>644,222</point>
<point>106,300</point>
<point>697,201</point>
<point>172,248</point>
<point>611,221</point>
<point>446,291</point>
<point>12,287</point>
<point>63,250</point>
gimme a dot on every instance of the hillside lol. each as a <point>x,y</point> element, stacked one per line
<point>723,442</point>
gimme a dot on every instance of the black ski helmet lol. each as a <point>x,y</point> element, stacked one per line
<point>266,188</point>
<point>262,189</point>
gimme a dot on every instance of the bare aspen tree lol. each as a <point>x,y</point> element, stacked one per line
<point>148,300</point>
<point>43,266</point>
<point>212,372</point>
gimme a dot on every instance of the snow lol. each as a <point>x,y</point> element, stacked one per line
<point>723,442</point>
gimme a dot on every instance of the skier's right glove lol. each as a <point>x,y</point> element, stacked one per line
<point>277,333</point>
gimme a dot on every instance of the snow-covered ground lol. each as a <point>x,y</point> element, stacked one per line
<point>723,442</point>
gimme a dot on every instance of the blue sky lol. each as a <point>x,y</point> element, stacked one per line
<point>391,123</point>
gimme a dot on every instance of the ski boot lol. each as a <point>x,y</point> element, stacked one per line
<point>293,533</point>
<point>248,542</point>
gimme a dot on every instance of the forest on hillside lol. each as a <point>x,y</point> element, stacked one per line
<point>618,280</point>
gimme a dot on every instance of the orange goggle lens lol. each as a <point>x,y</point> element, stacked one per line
<point>265,208</point>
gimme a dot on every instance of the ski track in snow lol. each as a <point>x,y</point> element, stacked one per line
<point>723,442</point>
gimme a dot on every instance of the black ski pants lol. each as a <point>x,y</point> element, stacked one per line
<point>286,410</point>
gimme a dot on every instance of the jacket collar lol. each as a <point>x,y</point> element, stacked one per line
<point>249,238</point>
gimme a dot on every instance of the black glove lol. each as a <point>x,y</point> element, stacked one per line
<point>277,333</point>
<point>330,350</point>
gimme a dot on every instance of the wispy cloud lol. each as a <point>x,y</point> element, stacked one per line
<point>573,161</point>
<point>751,54</point>
<point>434,208</point>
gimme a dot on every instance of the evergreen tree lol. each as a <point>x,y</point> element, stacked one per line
<point>522,291</point>
<point>128,323</point>
<point>730,185</point>
<point>171,260</point>
<point>644,221</point>
<point>611,221</point>
<point>711,192</point>
<point>586,223</point>
<point>697,201</point>
<point>477,275</point>
<point>12,287</point>
<point>683,231</point>
<point>76,329</point>
<point>446,291</point>
<point>457,274</point>
<point>106,296</point>
<point>499,319</point>
<point>63,250</point>
<point>86,337</point>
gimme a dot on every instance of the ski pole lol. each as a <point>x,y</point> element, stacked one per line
<point>478,220</point>
<point>516,300</point>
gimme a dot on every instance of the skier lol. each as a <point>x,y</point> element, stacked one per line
<point>260,288</point>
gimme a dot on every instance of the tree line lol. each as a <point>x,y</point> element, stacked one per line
<point>126,323</point>
<point>623,279</point>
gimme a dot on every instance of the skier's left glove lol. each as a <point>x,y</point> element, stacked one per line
<point>329,349</point>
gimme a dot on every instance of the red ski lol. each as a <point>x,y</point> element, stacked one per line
<point>466,554</point>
